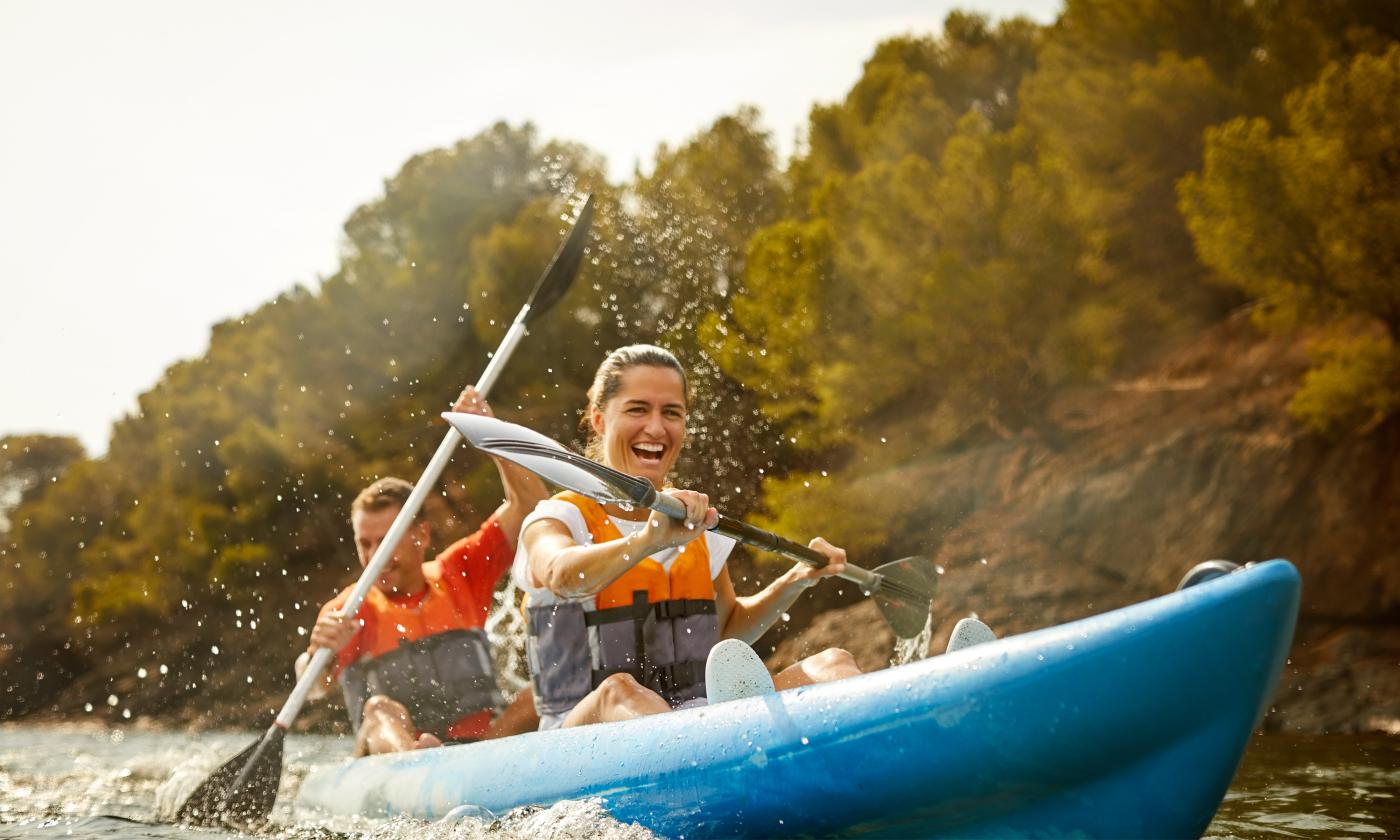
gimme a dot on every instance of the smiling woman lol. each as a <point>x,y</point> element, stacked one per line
<point>626,609</point>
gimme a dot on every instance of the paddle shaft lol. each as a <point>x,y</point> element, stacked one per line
<point>769,541</point>
<point>402,522</point>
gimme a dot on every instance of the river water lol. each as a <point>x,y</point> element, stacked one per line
<point>102,784</point>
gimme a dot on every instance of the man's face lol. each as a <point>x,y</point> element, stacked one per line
<point>403,574</point>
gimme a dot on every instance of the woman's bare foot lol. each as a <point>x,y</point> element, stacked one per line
<point>427,741</point>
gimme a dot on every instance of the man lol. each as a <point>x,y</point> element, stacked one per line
<point>414,664</point>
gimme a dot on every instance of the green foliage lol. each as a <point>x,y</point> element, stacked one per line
<point>1308,223</point>
<point>29,464</point>
<point>1354,384</point>
<point>912,93</point>
<point>888,304</point>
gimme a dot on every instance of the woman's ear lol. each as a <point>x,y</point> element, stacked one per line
<point>595,419</point>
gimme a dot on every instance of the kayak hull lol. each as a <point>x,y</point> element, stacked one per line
<point>1130,723</point>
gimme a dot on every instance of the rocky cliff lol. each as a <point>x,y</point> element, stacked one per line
<point>1193,458</point>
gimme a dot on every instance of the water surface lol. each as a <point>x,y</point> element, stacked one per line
<point>100,784</point>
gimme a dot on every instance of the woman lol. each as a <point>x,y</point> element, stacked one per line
<point>625,607</point>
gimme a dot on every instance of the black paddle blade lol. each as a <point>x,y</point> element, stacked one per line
<point>904,595</point>
<point>563,268</point>
<point>243,790</point>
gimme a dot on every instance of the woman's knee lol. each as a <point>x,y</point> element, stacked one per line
<point>619,688</point>
<point>834,660</point>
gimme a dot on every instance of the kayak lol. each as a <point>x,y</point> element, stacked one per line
<point>1125,724</point>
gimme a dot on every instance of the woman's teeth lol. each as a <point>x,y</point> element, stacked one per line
<point>648,451</point>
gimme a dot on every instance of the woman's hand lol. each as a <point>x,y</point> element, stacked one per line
<point>806,575</point>
<point>663,532</point>
<point>333,630</point>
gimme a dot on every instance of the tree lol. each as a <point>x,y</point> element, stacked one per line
<point>1308,224</point>
<point>28,464</point>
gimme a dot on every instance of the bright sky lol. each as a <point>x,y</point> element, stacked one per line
<point>167,165</point>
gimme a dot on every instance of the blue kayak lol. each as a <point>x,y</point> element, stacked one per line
<point>1126,724</point>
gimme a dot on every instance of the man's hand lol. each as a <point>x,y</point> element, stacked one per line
<point>333,630</point>
<point>470,401</point>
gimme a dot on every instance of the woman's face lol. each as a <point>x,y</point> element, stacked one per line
<point>643,426</point>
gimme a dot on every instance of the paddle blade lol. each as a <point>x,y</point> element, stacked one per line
<point>563,268</point>
<point>904,595</point>
<point>243,790</point>
<point>548,459</point>
<point>205,803</point>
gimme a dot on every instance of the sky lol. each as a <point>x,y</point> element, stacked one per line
<point>168,165</point>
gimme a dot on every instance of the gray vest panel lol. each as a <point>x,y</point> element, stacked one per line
<point>663,645</point>
<point>439,679</point>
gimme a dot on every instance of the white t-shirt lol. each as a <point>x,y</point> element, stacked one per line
<point>719,545</point>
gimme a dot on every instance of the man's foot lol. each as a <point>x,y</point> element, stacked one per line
<point>427,741</point>
<point>969,632</point>
<point>733,671</point>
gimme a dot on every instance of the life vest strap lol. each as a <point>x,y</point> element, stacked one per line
<point>638,610</point>
<point>682,607</point>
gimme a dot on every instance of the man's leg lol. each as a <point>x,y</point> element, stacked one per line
<point>828,666</point>
<point>619,697</point>
<point>520,716</point>
<point>387,727</point>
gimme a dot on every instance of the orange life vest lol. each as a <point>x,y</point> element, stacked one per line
<point>427,655</point>
<point>655,623</point>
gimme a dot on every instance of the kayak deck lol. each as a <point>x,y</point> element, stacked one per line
<point>1129,723</point>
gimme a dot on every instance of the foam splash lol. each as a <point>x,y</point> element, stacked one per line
<point>912,650</point>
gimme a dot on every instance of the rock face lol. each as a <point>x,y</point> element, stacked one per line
<point>1193,459</point>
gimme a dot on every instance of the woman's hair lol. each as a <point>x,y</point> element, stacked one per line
<point>608,380</point>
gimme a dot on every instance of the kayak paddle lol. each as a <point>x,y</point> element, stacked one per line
<point>244,789</point>
<point>902,589</point>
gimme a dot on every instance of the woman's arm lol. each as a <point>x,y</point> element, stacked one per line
<point>570,570</point>
<point>748,618</point>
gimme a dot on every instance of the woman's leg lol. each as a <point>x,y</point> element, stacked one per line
<point>619,697</point>
<point>829,665</point>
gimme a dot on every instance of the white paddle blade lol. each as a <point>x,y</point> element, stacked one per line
<point>496,437</point>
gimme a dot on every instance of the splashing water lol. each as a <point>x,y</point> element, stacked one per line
<point>505,627</point>
<point>96,784</point>
<point>912,650</point>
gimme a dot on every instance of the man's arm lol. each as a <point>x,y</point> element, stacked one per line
<point>332,630</point>
<point>523,488</point>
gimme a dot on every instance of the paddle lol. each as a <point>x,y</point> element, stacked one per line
<point>901,589</point>
<point>245,787</point>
